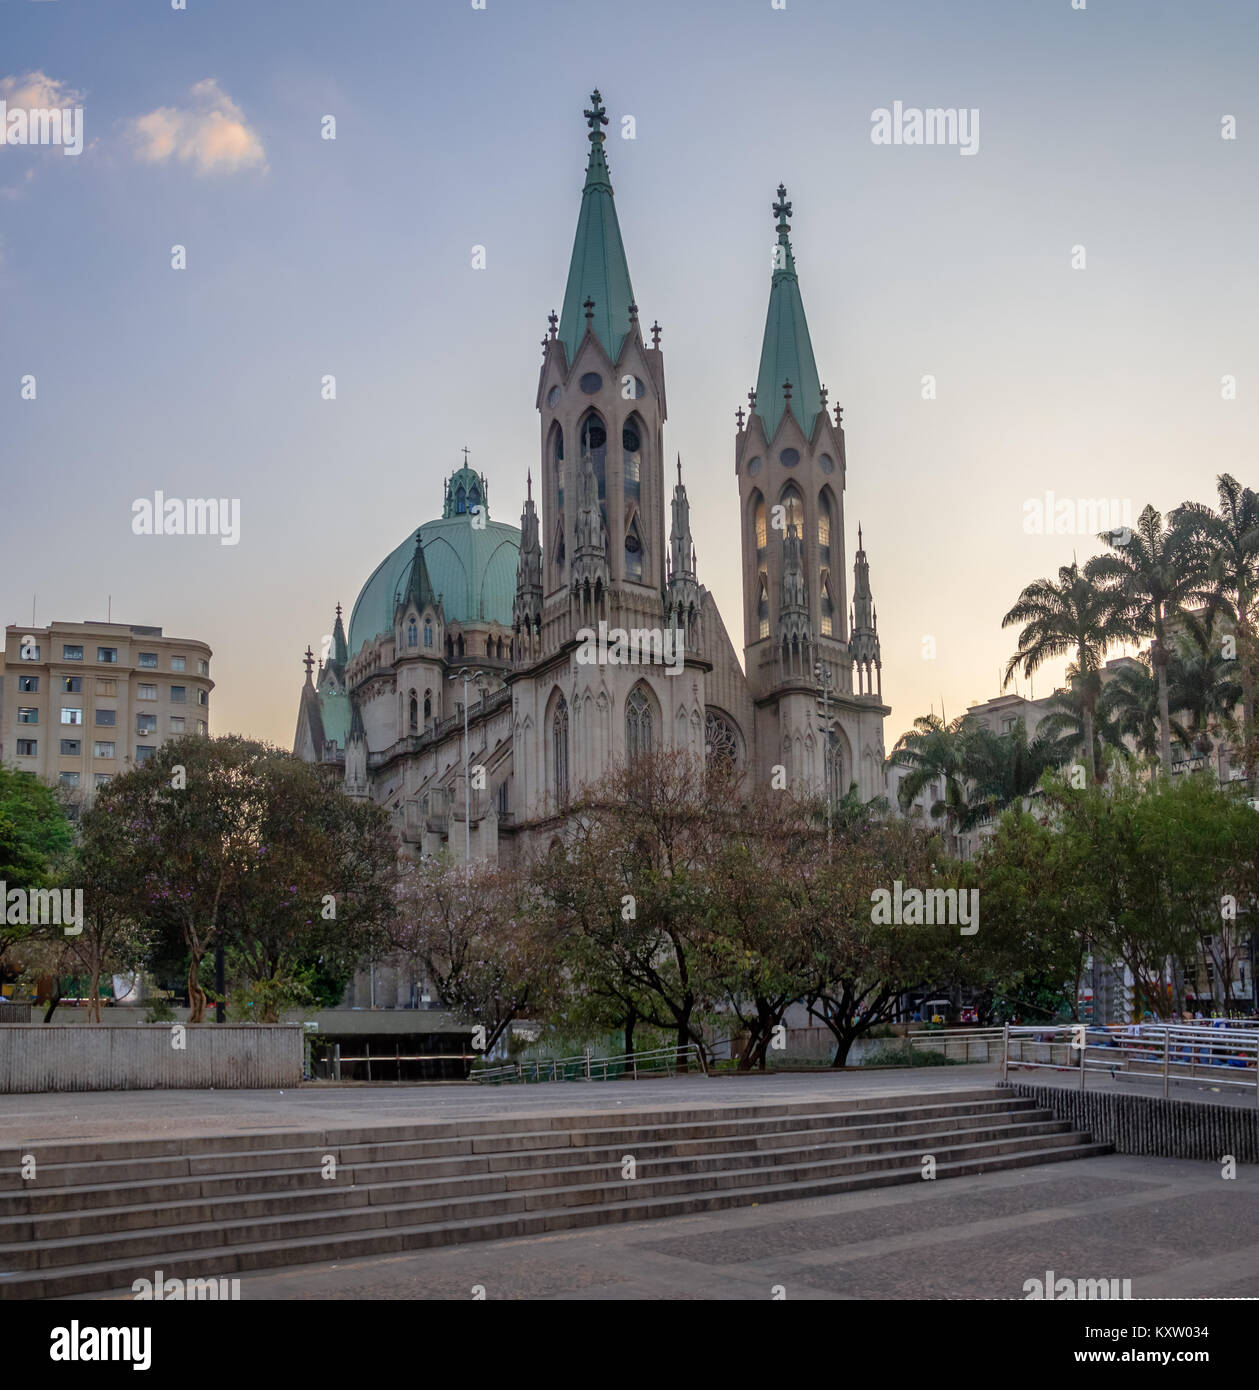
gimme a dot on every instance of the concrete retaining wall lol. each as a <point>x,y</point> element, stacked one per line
<point>144,1057</point>
<point>1152,1126</point>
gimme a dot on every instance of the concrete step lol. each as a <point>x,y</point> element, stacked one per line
<point>108,1167</point>
<point>384,1163</point>
<point>600,1166</point>
<point>120,1274</point>
<point>96,1223</point>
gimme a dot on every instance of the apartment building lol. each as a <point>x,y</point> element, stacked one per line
<point>83,702</point>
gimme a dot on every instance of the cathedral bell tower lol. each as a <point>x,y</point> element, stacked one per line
<point>601,399</point>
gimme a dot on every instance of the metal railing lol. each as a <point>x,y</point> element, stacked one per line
<point>948,1040</point>
<point>1194,1054</point>
<point>660,1061</point>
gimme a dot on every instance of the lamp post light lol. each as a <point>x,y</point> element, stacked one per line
<point>822,673</point>
<point>466,674</point>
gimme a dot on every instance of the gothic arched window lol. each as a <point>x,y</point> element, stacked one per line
<point>793,506</point>
<point>428,632</point>
<point>461,500</point>
<point>414,720</point>
<point>413,633</point>
<point>632,463</point>
<point>762,537</point>
<point>633,553</point>
<point>474,499</point>
<point>762,606</point>
<point>834,767</point>
<point>428,705</point>
<point>559,750</point>
<point>638,730</point>
<point>824,529</point>
<point>594,440</point>
<point>828,606</point>
<point>459,645</point>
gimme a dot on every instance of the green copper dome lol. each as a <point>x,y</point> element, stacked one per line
<point>472,569</point>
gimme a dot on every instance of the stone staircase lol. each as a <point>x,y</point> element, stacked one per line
<point>103,1213</point>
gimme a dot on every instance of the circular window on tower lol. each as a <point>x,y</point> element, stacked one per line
<point>789,457</point>
<point>754,465</point>
<point>553,395</point>
<point>826,463</point>
<point>591,382</point>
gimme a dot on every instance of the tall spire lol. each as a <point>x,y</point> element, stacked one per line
<point>786,351</point>
<point>682,597</point>
<point>419,586</point>
<point>598,270</point>
<point>527,607</point>
<point>863,645</point>
<point>340,648</point>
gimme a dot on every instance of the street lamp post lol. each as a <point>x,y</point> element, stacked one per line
<point>822,672</point>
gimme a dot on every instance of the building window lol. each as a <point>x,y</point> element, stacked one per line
<point>74,653</point>
<point>203,667</point>
<point>721,745</point>
<point>834,769</point>
<point>146,723</point>
<point>71,714</point>
<point>28,685</point>
<point>828,606</point>
<point>637,723</point>
<point>106,685</point>
<point>177,663</point>
<point>69,779</point>
<point>106,717</point>
<point>632,464</point>
<point>176,723</point>
<point>428,632</point>
<point>146,692</point>
<point>147,661</point>
<point>27,716</point>
<point>633,553</point>
<point>203,697</point>
<point>30,653</point>
<point>762,536</point>
<point>202,727</point>
<point>461,500</point>
<point>502,797</point>
<point>178,694</point>
<point>428,706</point>
<point>1007,726</point>
<point>414,721</point>
<point>144,751</point>
<point>108,656</point>
<point>71,748</point>
<point>27,747</point>
<point>824,530</point>
<point>71,685</point>
<point>559,750</point>
<point>762,606</point>
<point>103,750</point>
<point>413,633</point>
<point>102,779</point>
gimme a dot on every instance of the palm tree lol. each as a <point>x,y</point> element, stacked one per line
<point>1006,768</point>
<point>1130,706</point>
<point>1064,722</point>
<point>1154,573</point>
<point>935,752</point>
<point>1077,615</point>
<point>1230,538</point>
<point>1202,681</point>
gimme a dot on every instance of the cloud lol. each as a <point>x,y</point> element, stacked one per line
<point>38,89</point>
<point>212,134</point>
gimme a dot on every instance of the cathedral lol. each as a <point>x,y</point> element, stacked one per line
<point>472,629</point>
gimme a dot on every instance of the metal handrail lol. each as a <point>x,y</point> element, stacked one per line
<point>585,1067</point>
<point>1139,1051</point>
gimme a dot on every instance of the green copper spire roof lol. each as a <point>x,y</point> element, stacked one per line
<point>419,587</point>
<point>340,653</point>
<point>598,271</point>
<point>786,353</point>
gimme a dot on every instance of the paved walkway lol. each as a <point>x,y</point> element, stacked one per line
<point>171,1114</point>
<point>1175,1228</point>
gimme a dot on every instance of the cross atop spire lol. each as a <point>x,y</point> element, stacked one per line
<point>596,117</point>
<point>309,662</point>
<point>782,209</point>
<point>465,456</point>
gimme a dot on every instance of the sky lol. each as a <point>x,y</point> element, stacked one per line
<point>1100,138</point>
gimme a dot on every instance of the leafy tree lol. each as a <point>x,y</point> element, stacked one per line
<point>35,840</point>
